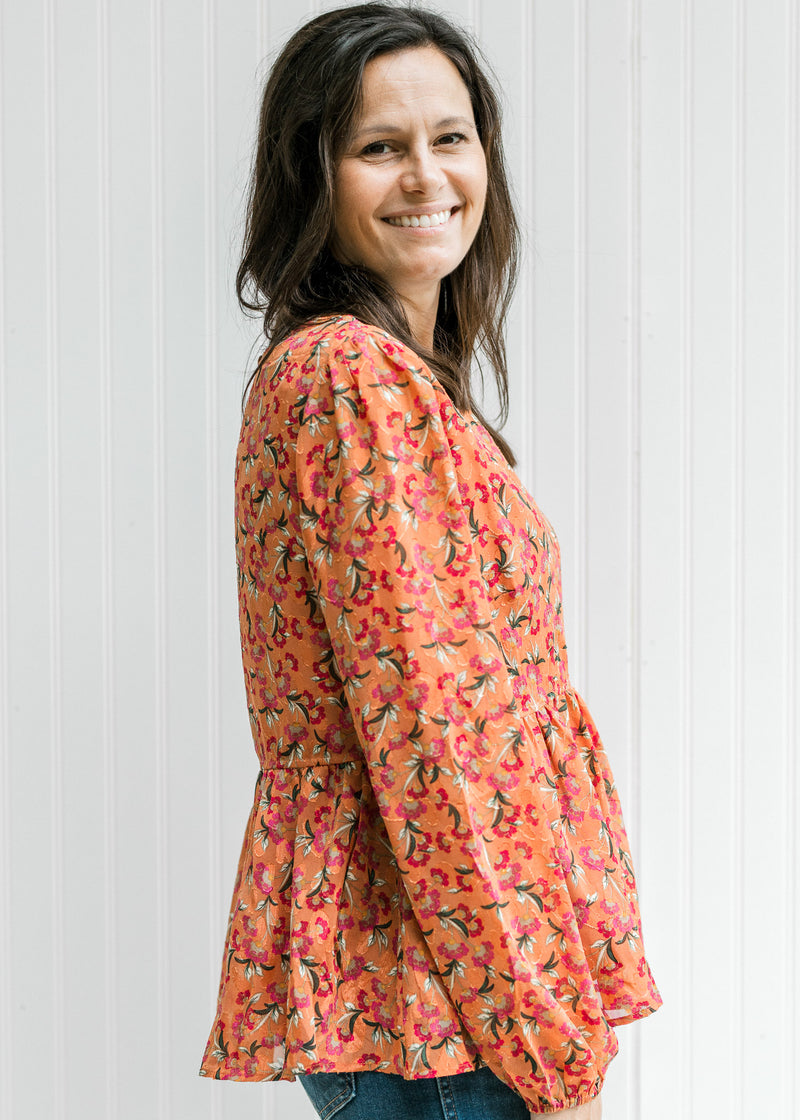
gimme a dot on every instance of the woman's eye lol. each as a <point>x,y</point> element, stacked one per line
<point>451,138</point>
<point>379,148</point>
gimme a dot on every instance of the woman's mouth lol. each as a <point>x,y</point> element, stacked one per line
<point>423,221</point>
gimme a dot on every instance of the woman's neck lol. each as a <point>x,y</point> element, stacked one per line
<point>421,314</point>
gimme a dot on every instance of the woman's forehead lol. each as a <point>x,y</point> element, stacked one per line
<point>418,79</point>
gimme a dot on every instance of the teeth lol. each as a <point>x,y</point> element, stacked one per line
<point>424,221</point>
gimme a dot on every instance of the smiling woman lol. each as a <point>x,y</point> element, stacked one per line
<point>435,912</point>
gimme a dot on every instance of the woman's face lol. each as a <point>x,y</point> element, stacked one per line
<point>410,188</point>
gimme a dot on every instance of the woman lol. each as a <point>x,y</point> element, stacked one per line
<point>435,911</point>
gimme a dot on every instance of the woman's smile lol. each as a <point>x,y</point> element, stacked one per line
<point>422,219</point>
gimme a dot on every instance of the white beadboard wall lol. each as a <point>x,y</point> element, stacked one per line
<point>654,146</point>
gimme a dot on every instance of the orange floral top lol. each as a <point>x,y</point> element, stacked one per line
<point>435,873</point>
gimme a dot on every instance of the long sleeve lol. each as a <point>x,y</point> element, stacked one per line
<point>460,772</point>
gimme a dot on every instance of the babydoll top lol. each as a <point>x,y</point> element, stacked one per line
<point>435,874</point>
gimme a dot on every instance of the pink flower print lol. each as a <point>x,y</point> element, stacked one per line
<point>384,488</point>
<point>387,692</point>
<point>516,1047</point>
<point>319,484</point>
<point>440,798</point>
<point>484,664</point>
<point>420,857</point>
<point>440,632</point>
<point>363,596</point>
<point>380,616</point>
<point>283,684</point>
<point>591,858</point>
<point>418,695</point>
<point>250,1067</point>
<point>416,960</point>
<point>474,922</point>
<point>469,761</point>
<point>336,593</point>
<point>427,899</point>
<point>483,954</point>
<point>345,430</point>
<point>302,941</point>
<point>510,825</point>
<point>304,382</point>
<point>455,711</point>
<point>443,843</point>
<point>412,807</point>
<point>417,587</point>
<point>523,849</point>
<point>276,591</point>
<point>357,545</point>
<point>464,883</point>
<point>426,406</point>
<point>412,668</point>
<point>262,878</point>
<point>451,520</point>
<point>510,876</point>
<point>371,1061</point>
<point>265,480</point>
<point>367,434</point>
<point>421,503</point>
<point>296,732</point>
<point>403,449</point>
<point>434,750</point>
<point>581,909</point>
<point>463,613</point>
<point>483,535</point>
<point>385,778</point>
<point>251,446</point>
<point>354,967</point>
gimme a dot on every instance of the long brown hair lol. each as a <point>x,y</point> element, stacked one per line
<point>310,104</point>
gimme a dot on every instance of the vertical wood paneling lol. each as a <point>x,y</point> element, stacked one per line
<point>525,402</point>
<point>653,354</point>
<point>656,828</point>
<point>58,1019</point>
<point>762,400</point>
<point>130,297</point>
<point>684,785</point>
<point>713,633</point>
<point>550,226</point>
<point>27,562</point>
<point>634,449</point>
<point>791,544</point>
<point>602,610</point>
<point>213,520</point>
<point>579,553</point>
<point>6,1018</point>
<point>164,1064</point>
<point>736,818</point>
<point>107,590</point>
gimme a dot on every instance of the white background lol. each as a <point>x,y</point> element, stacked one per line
<point>654,360</point>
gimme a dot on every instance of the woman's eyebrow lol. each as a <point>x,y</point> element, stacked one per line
<point>389,129</point>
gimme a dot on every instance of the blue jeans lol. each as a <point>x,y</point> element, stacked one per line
<point>372,1095</point>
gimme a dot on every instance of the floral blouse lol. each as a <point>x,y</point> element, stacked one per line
<point>435,874</point>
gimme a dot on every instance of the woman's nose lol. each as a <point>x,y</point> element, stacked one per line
<point>422,173</point>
